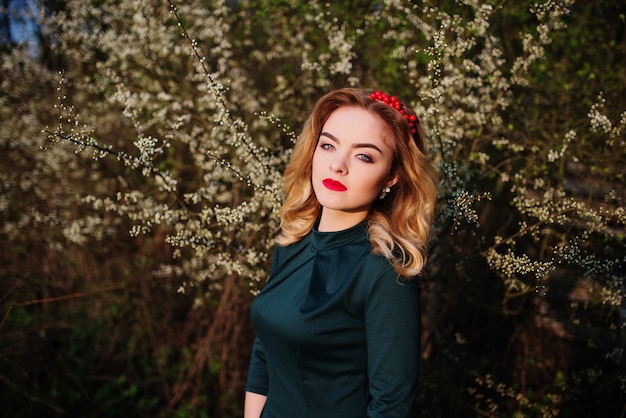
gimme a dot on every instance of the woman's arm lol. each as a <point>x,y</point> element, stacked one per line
<point>392,322</point>
<point>258,382</point>
<point>253,405</point>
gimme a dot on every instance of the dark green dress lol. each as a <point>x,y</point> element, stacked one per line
<point>337,331</point>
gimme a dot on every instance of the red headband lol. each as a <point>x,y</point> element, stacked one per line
<point>395,103</point>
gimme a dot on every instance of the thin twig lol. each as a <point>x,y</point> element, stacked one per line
<point>54,299</point>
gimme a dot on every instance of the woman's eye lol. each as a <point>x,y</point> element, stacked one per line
<point>327,146</point>
<point>365,158</point>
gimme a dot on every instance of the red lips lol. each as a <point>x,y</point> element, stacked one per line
<point>334,185</point>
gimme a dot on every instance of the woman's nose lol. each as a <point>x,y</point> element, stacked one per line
<point>338,165</point>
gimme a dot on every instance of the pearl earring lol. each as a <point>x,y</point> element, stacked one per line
<point>384,192</point>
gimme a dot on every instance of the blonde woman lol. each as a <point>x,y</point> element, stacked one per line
<point>338,322</point>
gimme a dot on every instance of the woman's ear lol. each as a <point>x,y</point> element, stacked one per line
<point>393,181</point>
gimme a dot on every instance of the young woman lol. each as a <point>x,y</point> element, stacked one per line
<point>338,322</point>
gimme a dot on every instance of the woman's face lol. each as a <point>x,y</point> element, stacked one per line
<point>351,165</point>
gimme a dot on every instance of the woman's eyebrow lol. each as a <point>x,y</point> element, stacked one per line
<point>358,145</point>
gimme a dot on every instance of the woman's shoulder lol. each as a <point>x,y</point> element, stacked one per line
<point>377,271</point>
<point>283,253</point>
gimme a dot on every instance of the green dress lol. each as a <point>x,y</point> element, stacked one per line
<point>337,331</point>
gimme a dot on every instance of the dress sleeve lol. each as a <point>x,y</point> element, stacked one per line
<point>392,322</point>
<point>258,378</point>
<point>258,381</point>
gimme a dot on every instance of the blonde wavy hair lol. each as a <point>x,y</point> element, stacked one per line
<point>399,224</point>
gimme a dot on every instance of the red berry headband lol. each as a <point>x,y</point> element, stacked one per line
<point>395,103</point>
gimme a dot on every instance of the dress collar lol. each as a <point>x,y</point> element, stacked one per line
<point>329,240</point>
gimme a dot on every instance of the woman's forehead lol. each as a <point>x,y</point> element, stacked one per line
<point>357,123</point>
